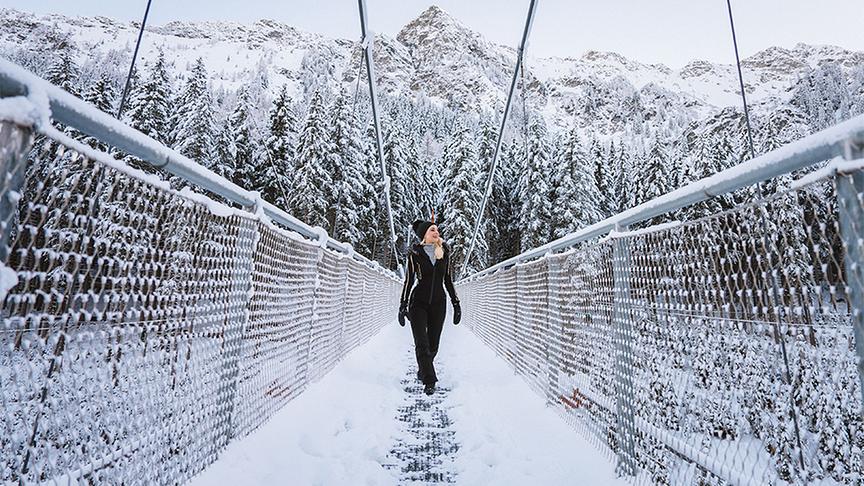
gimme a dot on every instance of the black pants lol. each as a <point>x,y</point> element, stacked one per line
<point>426,324</point>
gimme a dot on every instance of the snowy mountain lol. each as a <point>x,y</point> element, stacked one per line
<point>433,56</point>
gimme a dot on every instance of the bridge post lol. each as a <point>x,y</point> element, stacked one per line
<point>623,339</point>
<point>850,201</point>
<point>345,281</point>
<point>15,142</point>
<point>552,310</point>
<point>315,319</point>
<point>518,322</point>
<point>235,335</point>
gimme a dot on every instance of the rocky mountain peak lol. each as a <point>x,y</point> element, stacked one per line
<point>435,28</point>
<point>436,17</point>
<point>452,62</point>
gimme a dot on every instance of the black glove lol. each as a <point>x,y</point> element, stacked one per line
<point>403,312</point>
<point>457,312</point>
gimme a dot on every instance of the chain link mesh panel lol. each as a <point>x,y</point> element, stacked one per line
<point>148,328</point>
<point>715,351</point>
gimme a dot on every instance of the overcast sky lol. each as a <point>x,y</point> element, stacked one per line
<point>669,31</point>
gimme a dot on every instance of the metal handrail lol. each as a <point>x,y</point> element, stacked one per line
<point>78,114</point>
<point>824,145</point>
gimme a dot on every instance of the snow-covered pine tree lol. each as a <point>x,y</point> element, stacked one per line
<point>824,95</point>
<point>726,152</point>
<point>575,193</point>
<point>709,150</point>
<point>461,200</point>
<point>652,175</point>
<point>403,199</point>
<point>308,200</point>
<point>373,218</point>
<point>101,95</point>
<point>417,174</point>
<point>351,188</point>
<point>429,173</point>
<point>274,168</point>
<point>597,155</point>
<point>194,128</point>
<point>560,186</point>
<point>260,100</point>
<point>621,183</point>
<point>150,105</point>
<point>856,90</point>
<point>64,71</point>
<point>488,138</point>
<point>609,170</point>
<point>316,71</point>
<point>504,206</point>
<point>245,165</point>
<point>225,153</point>
<point>535,216</point>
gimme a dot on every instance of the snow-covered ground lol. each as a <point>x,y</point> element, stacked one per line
<point>343,428</point>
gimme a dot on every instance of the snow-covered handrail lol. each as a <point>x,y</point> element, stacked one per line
<point>824,145</point>
<point>78,114</point>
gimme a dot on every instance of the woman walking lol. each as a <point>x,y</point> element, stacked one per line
<point>424,305</point>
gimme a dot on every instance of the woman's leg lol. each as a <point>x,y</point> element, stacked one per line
<point>419,319</point>
<point>435,325</point>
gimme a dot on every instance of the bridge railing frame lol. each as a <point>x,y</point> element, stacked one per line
<point>280,304</point>
<point>841,145</point>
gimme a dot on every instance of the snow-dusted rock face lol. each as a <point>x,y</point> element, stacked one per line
<point>454,63</point>
<point>434,56</point>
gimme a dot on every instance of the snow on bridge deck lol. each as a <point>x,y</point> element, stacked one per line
<point>367,422</point>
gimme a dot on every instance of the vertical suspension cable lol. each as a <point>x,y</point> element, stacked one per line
<point>359,75</point>
<point>532,7</point>
<point>774,284</point>
<point>366,43</point>
<point>525,121</point>
<point>741,80</point>
<point>134,57</point>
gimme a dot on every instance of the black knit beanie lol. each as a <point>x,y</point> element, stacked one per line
<point>420,228</point>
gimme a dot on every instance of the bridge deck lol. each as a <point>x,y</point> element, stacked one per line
<point>367,422</point>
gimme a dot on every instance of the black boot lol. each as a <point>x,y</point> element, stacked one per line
<point>429,388</point>
<point>419,376</point>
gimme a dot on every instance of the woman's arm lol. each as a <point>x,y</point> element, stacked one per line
<point>454,299</point>
<point>448,282</point>
<point>409,283</point>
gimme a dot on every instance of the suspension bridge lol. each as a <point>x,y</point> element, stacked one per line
<point>150,334</point>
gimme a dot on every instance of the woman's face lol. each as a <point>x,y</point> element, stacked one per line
<point>431,235</point>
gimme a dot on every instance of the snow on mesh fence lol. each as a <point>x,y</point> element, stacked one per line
<point>148,328</point>
<point>715,351</point>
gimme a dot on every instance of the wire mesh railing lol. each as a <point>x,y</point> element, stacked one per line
<point>723,349</point>
<point>144,328</point>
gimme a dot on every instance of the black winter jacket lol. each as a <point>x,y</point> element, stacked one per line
<point>431,279</point>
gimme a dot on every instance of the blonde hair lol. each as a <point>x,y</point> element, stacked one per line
<point>439,248</point>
